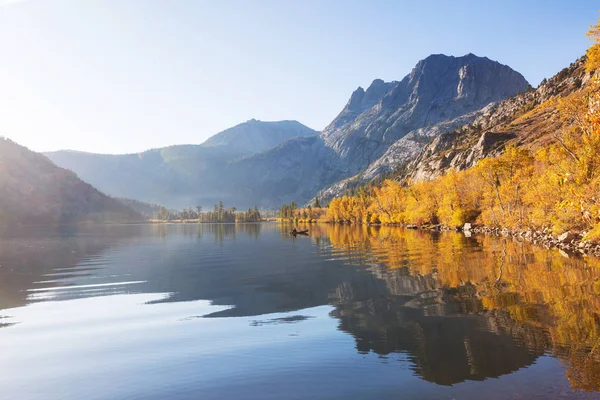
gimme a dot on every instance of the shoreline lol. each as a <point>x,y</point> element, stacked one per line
<point>568,243</point>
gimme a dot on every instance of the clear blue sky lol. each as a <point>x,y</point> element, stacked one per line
<point>123,76</point>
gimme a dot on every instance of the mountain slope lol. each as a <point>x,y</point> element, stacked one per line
<point>293,171</point>
<point>35,191</point>
<point>147,210</point>
<point>528,166</point>
<point>440,88</point>
<point>382,127</point>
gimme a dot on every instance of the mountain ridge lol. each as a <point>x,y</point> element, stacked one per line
<point>179,175</point>
<point>440,93</point>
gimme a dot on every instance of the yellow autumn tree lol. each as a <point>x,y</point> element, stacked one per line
<point>575,160</point>
<point>387,203</point>
<point>461,198</point>
<point>504,178</point>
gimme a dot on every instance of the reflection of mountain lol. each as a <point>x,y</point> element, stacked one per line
<point>445,345</point>
<point>459,308</point>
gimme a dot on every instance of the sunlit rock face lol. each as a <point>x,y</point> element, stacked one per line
<point>440,88</point>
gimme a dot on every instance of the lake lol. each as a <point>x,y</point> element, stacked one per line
<point>248,312</point>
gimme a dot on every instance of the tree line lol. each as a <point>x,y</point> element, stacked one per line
<point>314,211</point>
<point>219,213</point>
<point>287,210</point>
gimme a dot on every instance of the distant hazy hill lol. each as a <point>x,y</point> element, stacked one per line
<point>35,191</point>
<point>257,136</point>
<point>184,175</point>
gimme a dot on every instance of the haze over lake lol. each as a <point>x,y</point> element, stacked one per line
<point>247,311</point>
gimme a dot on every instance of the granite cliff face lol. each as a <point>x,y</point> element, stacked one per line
<point>529,119</point>
<point>379,129</point>
<point>439,89</point>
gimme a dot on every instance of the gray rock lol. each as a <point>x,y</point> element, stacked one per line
<point>567,237</point>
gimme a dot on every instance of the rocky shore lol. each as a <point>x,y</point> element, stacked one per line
<point>568,243</point>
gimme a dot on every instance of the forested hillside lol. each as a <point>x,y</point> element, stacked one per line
<point>35,191</point>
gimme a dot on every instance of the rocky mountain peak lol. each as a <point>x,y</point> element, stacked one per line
<point>471,79</point>
<point>438,89</point>
<point>383,125</point>
<point>440,94</point>
<point>362,100</point>
<point>356,99</point>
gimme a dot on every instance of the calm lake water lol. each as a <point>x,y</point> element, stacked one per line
<point>246,311</point>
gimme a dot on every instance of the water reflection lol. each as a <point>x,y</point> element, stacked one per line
<point>470,308</point>
<point>457,308</point>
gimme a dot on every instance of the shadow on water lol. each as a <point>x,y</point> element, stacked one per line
<point>459,308</point>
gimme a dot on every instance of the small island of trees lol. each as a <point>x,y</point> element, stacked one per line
<point>218,214</point>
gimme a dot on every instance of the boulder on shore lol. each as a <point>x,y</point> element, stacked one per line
<point>567,237</point>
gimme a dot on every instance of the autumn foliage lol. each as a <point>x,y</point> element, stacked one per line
<point>556,187</point>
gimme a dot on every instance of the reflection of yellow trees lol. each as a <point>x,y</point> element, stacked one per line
<point>536,286</point>
<point>556,186</point>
